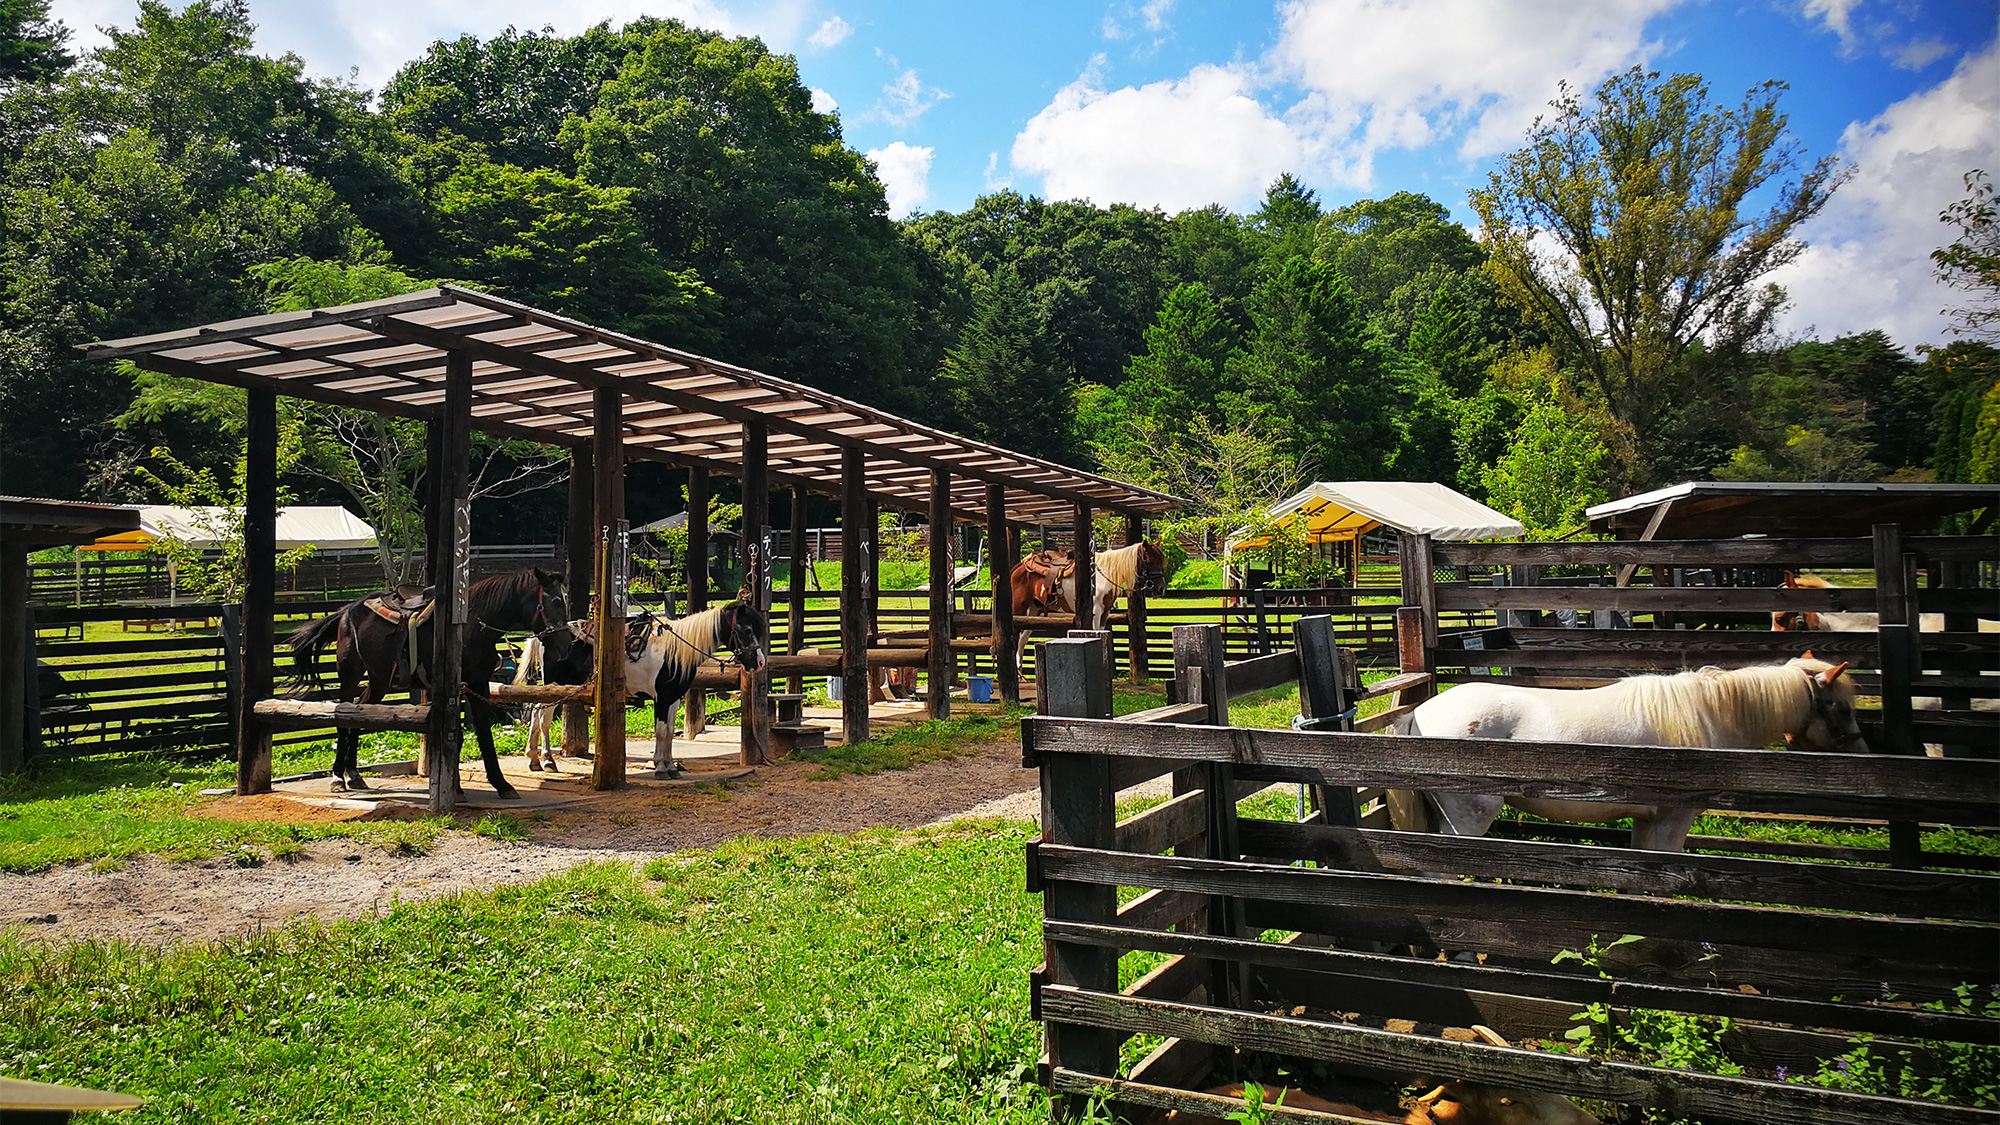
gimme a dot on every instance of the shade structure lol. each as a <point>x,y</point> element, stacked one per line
<point>327,527</point>
<point>536,375</point>
<point>1339,510</point>
<point>1713,509</point>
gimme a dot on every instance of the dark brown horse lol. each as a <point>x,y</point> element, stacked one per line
<point>370,647</point>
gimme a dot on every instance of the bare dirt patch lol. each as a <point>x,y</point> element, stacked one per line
<point>157,901</point>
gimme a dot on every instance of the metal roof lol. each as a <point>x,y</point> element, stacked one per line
<point>1709,509</point>
<point>534,373</point>
<point>34,522</point>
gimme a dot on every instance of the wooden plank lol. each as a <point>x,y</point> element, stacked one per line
<point>1821,886</point>
<point>1184,1104</point>
<point>1724,643</point>
<point>1402,681</point>
<point>696,704</point>
<point>1793,554</point>
<point>1135,611</point>
<point>1383,720</point>
<point>539,693</point>
<point>1686,1092</point>
<point>1323,701</point>
<point>856,570</point>
<point>200,647</point>
<point>1167,713</point>
<point>1460,596</point>
<point>1569,988</point>
<point>1163,826</point>
<point>579,555</point>
<point>1976,602</point>
<point>309,714</point>
<point>1944,790</point>
<point>1156,910</point>
<point>1262,673</point>
<point>607,767</point>
<point>1974,948</point>
<point>1084,559</point>
<point>795,595</point>
<point>754,691</point>
<point>1200,676</point>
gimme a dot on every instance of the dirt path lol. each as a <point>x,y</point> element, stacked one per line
<point>156,901</point>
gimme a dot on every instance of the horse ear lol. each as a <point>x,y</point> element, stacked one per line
<point>1831,674</point>
<point>1807,655</point>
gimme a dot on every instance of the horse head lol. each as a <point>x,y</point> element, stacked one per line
<point>743,627</point>
<point>1832,727</point>
<point>1152,576</point>
<point>551,619</point>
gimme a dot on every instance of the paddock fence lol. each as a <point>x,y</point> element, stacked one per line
<point>1323,938</point>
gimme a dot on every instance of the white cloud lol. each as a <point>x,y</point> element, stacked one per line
<point>994,180</point>
<point>376,37</point>
<point>1345,79</point>
<point>906,171</point>
<point>1837,16</point>
<point>1919,54</point>
<point>822,101</point>
<point>831,33</point>
<point>1154,12</point>
<point>1185,143</point>
<point>905,97</point>
<point>1868,265</point>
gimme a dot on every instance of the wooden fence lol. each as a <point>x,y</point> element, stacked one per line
<point>1272,931</point>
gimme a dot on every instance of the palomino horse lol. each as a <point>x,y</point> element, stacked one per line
<point>662,659</point>
<point>373,640</point>
<point>1805,700</point>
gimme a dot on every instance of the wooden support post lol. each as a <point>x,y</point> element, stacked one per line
<point>1135,614</point>
<point>1956,575</point>
<point>754,741</point>
<point>1078,810</point>
<point>17,661</point>
<point>581,549</point>
<point>451,532</point>
<point>795,620</point>
<point>695,709</point>
<point>607,771</point>
<point>1086,572</point>
<point>873,586</point>
<point>1896,636</point>
<point>1323,706</point>
<point>940,608</point>
<point>1001,546</point>
<point>260,560</point>
<point>856,569</point>
<point>1419,558</point>
<point>1201,675</point>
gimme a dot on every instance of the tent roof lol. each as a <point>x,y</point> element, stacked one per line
<point>33,522</point>
<point>299,525</point>
<point>1713,509</point>
<point>535,375</point>
<point>1343,509</point>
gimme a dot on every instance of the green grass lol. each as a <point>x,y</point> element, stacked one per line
<point>914,744</point>
<point>824,980</point>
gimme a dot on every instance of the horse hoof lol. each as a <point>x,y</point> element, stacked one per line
<point>337,786</point>
<point>508,795</point>
<point>355,781</point>
<point>534,766</point>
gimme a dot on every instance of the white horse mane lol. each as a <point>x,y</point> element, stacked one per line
<point>1119,568</point>
<point>687,641</point>
<point>1717,707</point>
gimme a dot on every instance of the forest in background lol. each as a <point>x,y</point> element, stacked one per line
<point>676,184</point>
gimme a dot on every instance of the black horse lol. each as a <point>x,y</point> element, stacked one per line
<point>367,646</point>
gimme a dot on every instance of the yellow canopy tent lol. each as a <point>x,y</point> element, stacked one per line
<point>1344,511</point>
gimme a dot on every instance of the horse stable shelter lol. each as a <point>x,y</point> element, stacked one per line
<point>461,361</point>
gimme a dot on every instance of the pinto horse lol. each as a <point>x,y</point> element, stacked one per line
<point>1806,700</point>
<point>370,646</point>
<point>1045,582</point>
<point>662,659</point>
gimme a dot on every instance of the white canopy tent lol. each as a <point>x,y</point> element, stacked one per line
<point>1343,511</point>
<point>326,527</point>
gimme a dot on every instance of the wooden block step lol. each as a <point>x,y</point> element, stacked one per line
<point>789,707</point>
<point>310,714</point>
<point>787,737</point>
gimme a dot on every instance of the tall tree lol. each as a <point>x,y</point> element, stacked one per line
<point>1621,229</point>
<point>1286,220</point>
<point>1007,383</point>
<point>1972,261</point>
<point>31,44</point>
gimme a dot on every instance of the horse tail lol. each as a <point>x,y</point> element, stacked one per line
<point>305,643</point>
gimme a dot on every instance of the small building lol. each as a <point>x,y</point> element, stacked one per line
<point>1714,509</point>
<point>1339,513</point>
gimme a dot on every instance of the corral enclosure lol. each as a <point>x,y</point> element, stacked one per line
<point>1304,939</point>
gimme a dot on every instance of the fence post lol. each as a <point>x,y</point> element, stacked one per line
<point>1323,695</point>
<point>1078,810</point>
<point>1202,676</point>
<point>1135,613</point>
<point>1896,636</point>
<point>17,656</point>
<point>231,628</point>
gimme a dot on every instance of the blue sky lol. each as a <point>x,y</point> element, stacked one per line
<point>1175,103</point>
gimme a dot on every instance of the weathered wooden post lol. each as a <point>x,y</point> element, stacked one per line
<point>1078,810</point>
<point>754,740</point>
<point>1323,706</point>
<point>696,706</point>
<point>17,660</point>
<point>855,571</point>
<point>1135,613</point>
<point>939,665</point>
<point>795,596</point>
<point>260,560</point>
<point>1001,556</point>
<point>581,549</point>
<point>1201,676</point>
<point>607,771</point>
<point>451,537</point>
<point>1086,573</point>
<point>1896,634</point>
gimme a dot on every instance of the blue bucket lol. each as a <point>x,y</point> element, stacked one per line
<point>979,688</point>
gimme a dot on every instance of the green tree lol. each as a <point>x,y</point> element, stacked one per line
<point>1006,382</point>
<point>1621,230</point>
<point>1972,261</point>
<point>1287,219</point>
<point>1180,373</point>
<point>31,44</point>
<point>1314,374</point>
<point>1218,249</point>
<point>1551,471</point>
<point>1398,252</point>
<point>1447,338</point>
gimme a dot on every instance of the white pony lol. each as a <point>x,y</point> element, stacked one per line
<point>1744,708</point>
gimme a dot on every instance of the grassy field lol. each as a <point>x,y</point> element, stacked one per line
<point>822,980</point>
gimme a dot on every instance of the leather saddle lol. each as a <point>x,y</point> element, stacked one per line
<point>1046,571</point>
<point>408,606</point>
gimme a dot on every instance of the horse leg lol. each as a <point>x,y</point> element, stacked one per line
<point>481,713</point>
<point>664,766</point>
<point>1664,831</point>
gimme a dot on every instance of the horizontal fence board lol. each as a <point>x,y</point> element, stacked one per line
<point>1685,1092</point>
<point>1971,949</point>
<point>1643,599</point>
<point>1790,553</point>
<point>1822,886</point>
<point>1163,826</point>
<point>1945,790</point>
<point>1262,673</point>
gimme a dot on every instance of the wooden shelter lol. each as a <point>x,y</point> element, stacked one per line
<point>460,361</point>
<point>1714,509</point>
<point>29,524</point>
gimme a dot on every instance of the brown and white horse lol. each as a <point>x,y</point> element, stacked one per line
<point>1045,582</point>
